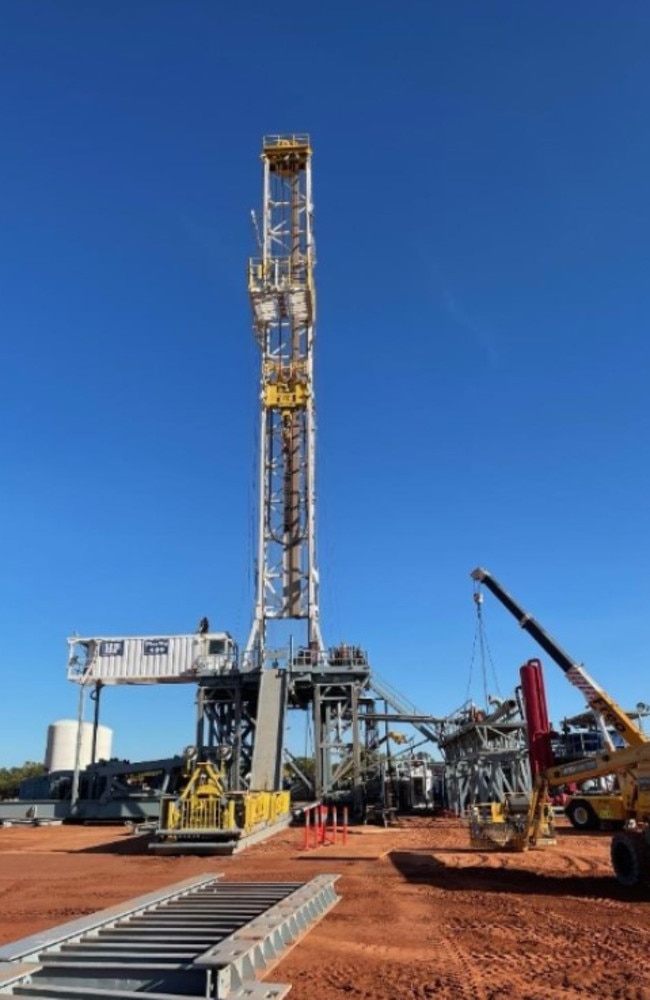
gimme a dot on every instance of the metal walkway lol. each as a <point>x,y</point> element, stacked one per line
<point>198,938</point>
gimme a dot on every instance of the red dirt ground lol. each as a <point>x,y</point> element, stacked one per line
<point>421,914</point>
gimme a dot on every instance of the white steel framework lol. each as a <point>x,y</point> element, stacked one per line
<point>281,289</point>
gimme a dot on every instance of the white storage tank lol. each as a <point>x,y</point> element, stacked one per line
<point>61,748</point>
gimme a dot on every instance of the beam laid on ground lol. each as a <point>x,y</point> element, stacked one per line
<point>198,938</point>
<point>30,948</point>
<point>253,950</point>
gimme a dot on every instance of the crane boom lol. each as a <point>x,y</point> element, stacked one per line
<point>596,697</point>
<point>598,766</point>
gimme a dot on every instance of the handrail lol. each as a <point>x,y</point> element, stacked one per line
<point>401,705</point>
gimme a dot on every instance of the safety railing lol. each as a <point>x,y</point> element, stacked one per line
<point>197,814</point>
<point>243,811</point>
<point>276,272</point>
<point>285,141</point>
<point>347,656</point>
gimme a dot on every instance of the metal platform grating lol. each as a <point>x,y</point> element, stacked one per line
<point>199,938</point>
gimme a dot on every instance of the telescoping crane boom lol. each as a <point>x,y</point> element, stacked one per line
<point>630,847</point>
<point>596,698</point>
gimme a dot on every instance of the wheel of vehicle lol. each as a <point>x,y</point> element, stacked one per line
<point>630,858</point>
<point>582,815</point>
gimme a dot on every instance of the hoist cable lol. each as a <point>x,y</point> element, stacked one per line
<point>481,632</point>
<point>468,694</point>
<point>492,667</point>
<point>486,653</point>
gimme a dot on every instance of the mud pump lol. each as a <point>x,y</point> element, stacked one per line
<point>531,824</point>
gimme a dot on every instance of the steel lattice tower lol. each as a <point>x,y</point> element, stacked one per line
<point>281,287</point>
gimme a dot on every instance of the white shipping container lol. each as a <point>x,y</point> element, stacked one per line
<point>149,659</point>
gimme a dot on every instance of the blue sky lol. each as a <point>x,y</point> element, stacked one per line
<point>482,218</point>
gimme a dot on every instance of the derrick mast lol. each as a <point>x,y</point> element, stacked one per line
<point>281,289</point>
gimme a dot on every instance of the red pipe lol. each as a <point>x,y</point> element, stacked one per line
<point>536,708</point>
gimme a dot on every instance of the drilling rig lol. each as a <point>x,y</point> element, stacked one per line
<point>235,770</point>
<point>281,287</point>
<point>242,715</point>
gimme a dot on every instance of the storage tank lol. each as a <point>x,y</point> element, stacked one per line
<point>61,748</point>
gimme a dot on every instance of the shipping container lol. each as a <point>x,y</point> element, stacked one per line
<point>150,659</point>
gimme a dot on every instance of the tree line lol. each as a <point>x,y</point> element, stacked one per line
<point>10,777</point>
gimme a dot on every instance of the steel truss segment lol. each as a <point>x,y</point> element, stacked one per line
<point>485,758</point>
<point>227,724</point>
<point>281,289</point>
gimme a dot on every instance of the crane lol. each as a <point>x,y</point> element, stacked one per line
<point>597,699</point>
<point>630,847</point>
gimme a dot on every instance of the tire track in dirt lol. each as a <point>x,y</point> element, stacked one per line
<point>455,975</point>
<point>583,866</point>
<point>14,888</point>
<point>628,946</point>
<point>517,954</point>
<point>463,968</point>
<point>495,945</point>
<point>593,965</point>
<point>536,952</point>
